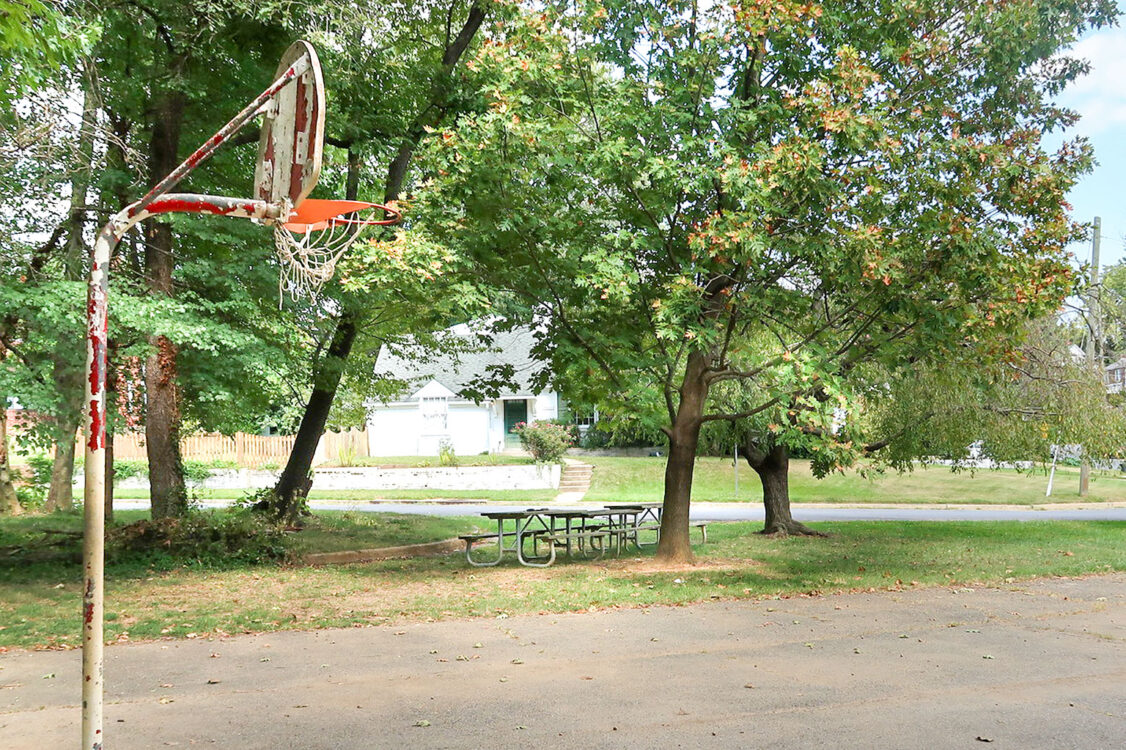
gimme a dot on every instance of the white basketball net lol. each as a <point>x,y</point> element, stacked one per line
<point>308,259</point>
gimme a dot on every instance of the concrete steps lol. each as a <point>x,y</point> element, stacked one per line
<point>574,481</point>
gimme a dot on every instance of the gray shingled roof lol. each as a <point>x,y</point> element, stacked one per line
<point>456,371</point>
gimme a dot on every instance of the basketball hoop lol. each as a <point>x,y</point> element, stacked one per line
<point>310,236</point>
<point>315,237</point>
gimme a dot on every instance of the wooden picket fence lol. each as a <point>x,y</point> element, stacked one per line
<point>250,451</point>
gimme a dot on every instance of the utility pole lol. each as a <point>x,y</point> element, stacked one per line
<point>1094,334</point>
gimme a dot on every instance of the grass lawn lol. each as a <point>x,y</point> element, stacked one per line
<point>39,604</point>
<point>642,479</point>
<point>335,531</point>
<point>513,496</point>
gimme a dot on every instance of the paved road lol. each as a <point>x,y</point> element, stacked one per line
<point>1035,665</point>
<point>743,511</point>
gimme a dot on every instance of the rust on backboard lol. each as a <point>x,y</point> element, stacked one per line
<point>290,148</point>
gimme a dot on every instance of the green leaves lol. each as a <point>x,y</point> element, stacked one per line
<point>861,190</point>
<point>36,39</point>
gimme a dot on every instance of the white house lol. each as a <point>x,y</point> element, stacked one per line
<point>1115,375</point>
<point>432,408</point>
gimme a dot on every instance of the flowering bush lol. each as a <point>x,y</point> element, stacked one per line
<point>546,442</point>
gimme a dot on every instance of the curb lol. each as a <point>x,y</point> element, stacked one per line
<point>432,549</point>
<point>430,501</point>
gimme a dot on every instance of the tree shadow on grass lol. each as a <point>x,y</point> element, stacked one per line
<point>866,553</point>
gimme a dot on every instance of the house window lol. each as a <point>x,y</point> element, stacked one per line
<point>434,410</point>
<point>585,419</point>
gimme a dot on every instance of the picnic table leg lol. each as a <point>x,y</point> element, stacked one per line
<point>520,548</point>
<point>597,541</point>
<point>535,537</point>
<point>629,530</point>
<point>649,514</point>
<point>586,543</point>
<point>619,533</point>
<point>487,563</point>
<point>500,550</point>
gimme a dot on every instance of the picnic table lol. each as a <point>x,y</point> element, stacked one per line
<point>640,517</point>
<point>517,530</point>
<point>534,534</point>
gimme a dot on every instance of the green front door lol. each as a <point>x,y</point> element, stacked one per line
<point>514,412</point>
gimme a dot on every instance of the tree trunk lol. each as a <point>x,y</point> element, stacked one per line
<point>288,501</point>
<point>288,496</point>
<point>67,374</point>
<point>773,469</point>
<point>162,395</point>
<point>684,438</point>
<point>290,493</point>
<point>70,391</point>
<point>162,432</point>
<point>9,501</point>
<point>60,495</point>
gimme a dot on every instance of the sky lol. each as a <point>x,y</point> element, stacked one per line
<point>1100,97</point>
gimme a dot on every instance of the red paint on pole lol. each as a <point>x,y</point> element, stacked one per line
<point>198,206</point>
<point>97,426</point>
<point>97,364</point>
<point>175,205</point>
<point>95,374</point>
<point>97,342</point>
<point>96,334</point>
<point>201,153</point>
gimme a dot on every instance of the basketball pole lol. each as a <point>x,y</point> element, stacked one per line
<point>94,493</point>
<point>156,201</point>
<point>288,167</point>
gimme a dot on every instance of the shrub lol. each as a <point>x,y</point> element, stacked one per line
<point>446,455</point>
<point>195,472</point>
<point>30,497</point>
<point>571,428</point>
<point>546,442</point>
<point>208,539</point>
<point>32,491</point>
<point>129,468</point>
<point>596,438</point>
